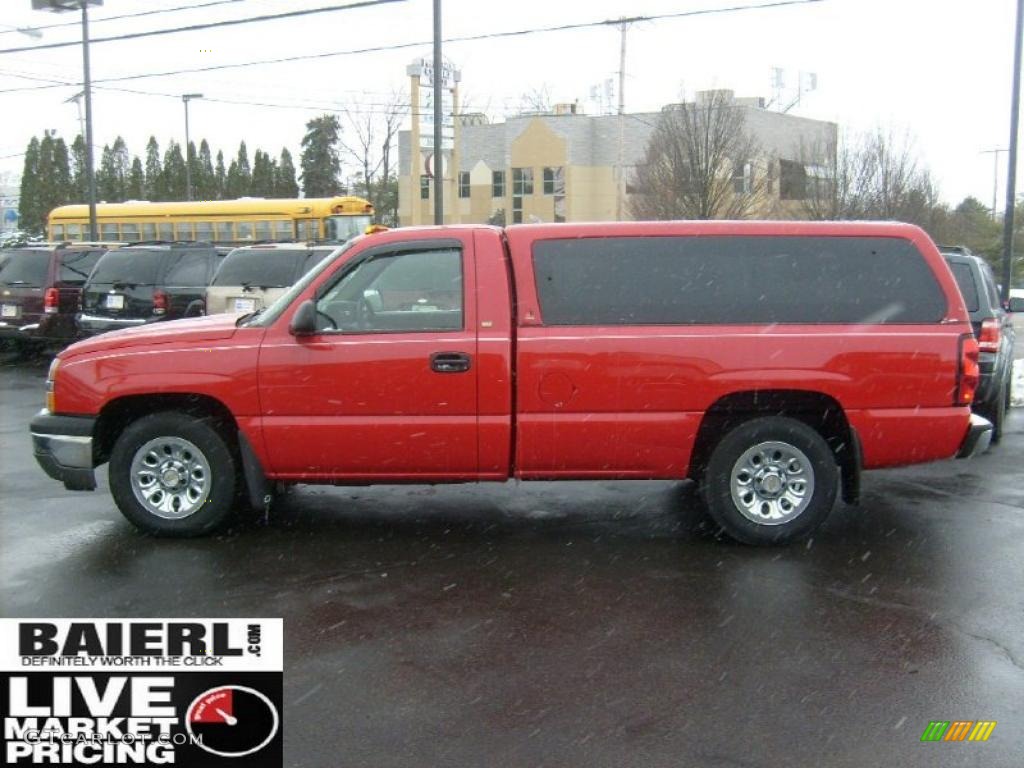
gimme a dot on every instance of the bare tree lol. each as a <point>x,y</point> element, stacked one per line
<point>536,101</point>
<point>874,176</point>
<point>702,163</point>
<point>370,143</point>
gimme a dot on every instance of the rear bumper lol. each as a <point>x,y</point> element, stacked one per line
<point>979,435</point>
<point>63,448</point>
<point>27,331</point>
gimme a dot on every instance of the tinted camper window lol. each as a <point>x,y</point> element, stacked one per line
<point>734,280</point>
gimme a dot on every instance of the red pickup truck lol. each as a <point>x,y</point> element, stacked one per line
<point>769,361</point>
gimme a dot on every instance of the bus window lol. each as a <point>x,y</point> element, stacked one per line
<point>224,233</point>
<point>149,231</point>
<point>74,232</point>
<point>185,230</point>
<point>283,230</point>
<point>244,229</point>
<point>108,232</point>
<point>204,230</point>
<point>343,228</point>
<point>130,232</point>
<point>57,232</point>
<point>308,229</point>
<point>261,230</point>
<point>166,230</point>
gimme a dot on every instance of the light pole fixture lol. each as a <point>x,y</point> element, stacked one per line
<point>186,98</point>
<point>32,32</point>
<point>60,6</point>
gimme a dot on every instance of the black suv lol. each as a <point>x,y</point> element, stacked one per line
<point>40,287</point>
<point>993,327</point>
<point>145,284</point>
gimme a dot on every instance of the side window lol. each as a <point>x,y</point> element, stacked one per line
<point>75,266</point>
<point>415,291</point>
<point>990,286</point>
<point>189,270</point>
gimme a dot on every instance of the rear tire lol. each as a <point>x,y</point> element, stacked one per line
<point>173,475</point>
<point>771,480</point>
<point>996,412</point>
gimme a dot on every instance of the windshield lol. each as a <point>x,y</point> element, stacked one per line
<point>25,267</point>
<point>128,265</point>
<point>271,313</point>
<point>342,228</point>
<point>272,268</point>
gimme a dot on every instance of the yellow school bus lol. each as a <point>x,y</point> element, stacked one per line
<point>227,222</point>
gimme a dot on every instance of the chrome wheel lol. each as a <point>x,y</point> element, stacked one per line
<point>170,477</point>
<point>772,483</point>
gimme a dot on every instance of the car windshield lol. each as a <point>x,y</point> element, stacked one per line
<point>270,268</point>
<point>271,313</point>
<point>343,228</point>
<point>135,266</point>
<point>24,267</point>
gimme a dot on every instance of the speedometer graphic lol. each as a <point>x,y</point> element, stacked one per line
<point>232,721</point>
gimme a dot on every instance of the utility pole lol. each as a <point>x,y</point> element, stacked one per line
<point>620,182</point>
<point>77,98</point>
<point>1011,175</point>
<point>186,98</point>
<point>438,165</point>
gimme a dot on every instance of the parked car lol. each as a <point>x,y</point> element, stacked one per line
<point>769,361</point>
<point>141,284</point>
<point>993,327</point>
<point>40,288</point>
<point>253,276</point>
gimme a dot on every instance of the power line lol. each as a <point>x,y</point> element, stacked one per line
<point>208,25</point>
<point>458,39</point>
<point>128,15</point>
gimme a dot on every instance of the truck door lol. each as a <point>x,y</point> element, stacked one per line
<point>387,387</point>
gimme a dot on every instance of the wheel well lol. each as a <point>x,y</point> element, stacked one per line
<point>119,413</point>
<point>822,413</point>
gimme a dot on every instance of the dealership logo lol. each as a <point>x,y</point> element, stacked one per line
<point>958,730</point>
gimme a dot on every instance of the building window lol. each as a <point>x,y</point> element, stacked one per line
<point>497,183</point>
<point>463,183</point>
<point>424,187</point>
<point>522,181</point>
<point>554,181</point>
<point>742,177</point>
<point>517,210</point>
<point>792,180</point>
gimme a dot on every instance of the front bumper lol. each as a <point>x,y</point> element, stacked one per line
<point>979,435</point>
<point>63,448</point>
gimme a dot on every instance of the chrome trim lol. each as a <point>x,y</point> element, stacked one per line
<point>111,320</point>
<point>69,451</point>
<point>978,438</point>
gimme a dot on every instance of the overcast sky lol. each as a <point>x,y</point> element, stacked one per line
<point>936,69</point>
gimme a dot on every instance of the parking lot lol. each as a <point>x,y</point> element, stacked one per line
<point>597,624</point>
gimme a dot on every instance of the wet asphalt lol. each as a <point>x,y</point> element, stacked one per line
<point>576,624</point>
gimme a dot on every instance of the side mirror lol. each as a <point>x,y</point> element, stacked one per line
<point>1016,304</point>
<point>304,320</point>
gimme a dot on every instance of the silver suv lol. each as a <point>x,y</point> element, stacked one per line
<point>253,276</point>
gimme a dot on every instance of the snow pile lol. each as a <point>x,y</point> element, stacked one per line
<point>1017,396</point>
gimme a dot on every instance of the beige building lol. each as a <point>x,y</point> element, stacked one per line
<point>565,166</point>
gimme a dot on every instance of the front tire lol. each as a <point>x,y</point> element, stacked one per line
<point>771,480</point>
<point>173,475</point>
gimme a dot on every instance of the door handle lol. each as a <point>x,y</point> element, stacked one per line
<point>449,362</point>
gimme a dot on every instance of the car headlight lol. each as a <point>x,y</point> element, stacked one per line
<point>51,376</point>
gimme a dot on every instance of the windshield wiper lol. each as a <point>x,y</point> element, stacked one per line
<point>248,316</point>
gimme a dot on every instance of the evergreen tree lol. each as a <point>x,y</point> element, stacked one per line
<point>194,169</point>
<point>321,167</point>
<point>173,175</point>
<point>154,184</point>
<point>233,186</point>
<point>79,180</point>
<point>285,184</point>
<point>136,181</point>
<point>262,175</point>
<point>220,177</point>
<point>244,172</point>
<point>30,210</point>
<point>106,176</point>
<point>61,183</point>
<point>122,168</point>
<point>206,186</point>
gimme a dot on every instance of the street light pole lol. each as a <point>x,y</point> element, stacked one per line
<point>188,145</point>
<point>89,172</point>
<point>438,117</point>
<point>1011,176</point>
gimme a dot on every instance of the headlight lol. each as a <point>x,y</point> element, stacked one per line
<point>51,376</point>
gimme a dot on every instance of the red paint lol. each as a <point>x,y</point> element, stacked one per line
<point>538,402</point>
